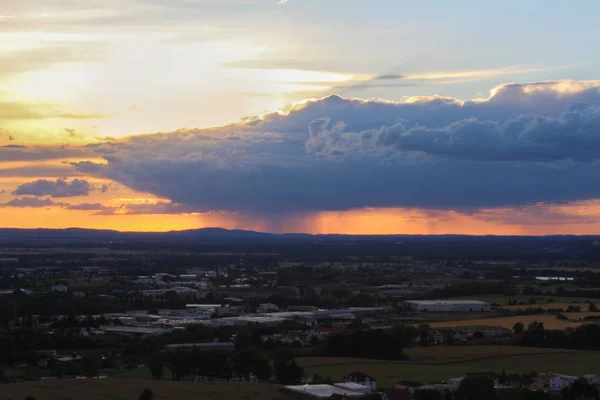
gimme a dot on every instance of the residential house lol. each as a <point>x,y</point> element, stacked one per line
<point>60,288</point>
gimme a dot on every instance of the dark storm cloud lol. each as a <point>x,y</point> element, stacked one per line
<point>87,167</point>
<point>525,144</point>
<point>87,207</point>
<point>58,188</point>
<point>529,138</point>
<point>29,202</point>
<point>38,171</point>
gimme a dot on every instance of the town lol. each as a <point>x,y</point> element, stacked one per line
<point>331,325</point>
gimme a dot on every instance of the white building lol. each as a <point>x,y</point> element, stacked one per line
<point>267,307</point>
<point>447,305</point>
<point>59,288</point>
<point>323,391</point>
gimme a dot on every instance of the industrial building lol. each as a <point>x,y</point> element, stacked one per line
<point>324,391</point>
<point>447,305</point>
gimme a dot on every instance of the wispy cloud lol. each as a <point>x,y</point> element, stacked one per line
<point>10,110</point>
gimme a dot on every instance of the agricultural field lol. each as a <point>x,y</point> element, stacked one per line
<point>130,389</point>
<point>436,364</point>
<point>550,322</point>
<point>455,353</point>
<point>541,299</point>
<point>551,306</point>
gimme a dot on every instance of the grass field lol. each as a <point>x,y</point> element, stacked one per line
<point>130,389</point>
<point>441,363</point>
<point>455,353</point>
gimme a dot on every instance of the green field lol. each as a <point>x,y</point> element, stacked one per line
<point>130,389</point>
<point>439,364</point>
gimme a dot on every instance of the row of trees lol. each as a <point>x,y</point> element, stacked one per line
<point>187,364</point>
<point>378,344</point>
<point>584,337</point>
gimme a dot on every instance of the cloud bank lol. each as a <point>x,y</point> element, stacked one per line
<point>525,144</point>
<point>58,188</point>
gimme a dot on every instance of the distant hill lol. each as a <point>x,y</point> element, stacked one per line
<point>432,246</point>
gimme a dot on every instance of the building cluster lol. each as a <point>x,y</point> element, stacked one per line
<point>358,384</point>
<point>216,315</point>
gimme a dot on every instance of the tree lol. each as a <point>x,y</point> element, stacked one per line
<point>288,373</point>
<point>592,307</point>
<point>502,378</point>
<point>90,366</point>
<point>179,364</point>
<point>251,361</point>
<point>244,339</point>
<point>404,334</point>
<point>518,328</point>
<point>314,341</point>
<point>535,326</point>
<point>580,388</point>
<point>147,394</point>
<point>156,365</point>
<point>476,388</point>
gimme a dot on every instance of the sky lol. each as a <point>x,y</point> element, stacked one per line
<point>318,116</point>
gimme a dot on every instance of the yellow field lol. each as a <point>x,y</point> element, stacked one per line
<point>550,322</point>
<point>123,389</point>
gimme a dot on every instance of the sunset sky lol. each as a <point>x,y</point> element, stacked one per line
<point>318,116</point>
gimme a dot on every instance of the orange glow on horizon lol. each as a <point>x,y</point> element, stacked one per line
<point>534,220</point>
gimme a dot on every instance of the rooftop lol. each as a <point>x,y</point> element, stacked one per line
<point>323,391</point>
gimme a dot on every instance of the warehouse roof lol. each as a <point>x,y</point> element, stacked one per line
<point>323,391</point>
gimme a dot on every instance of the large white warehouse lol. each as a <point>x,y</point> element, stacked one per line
<point>447,305</point>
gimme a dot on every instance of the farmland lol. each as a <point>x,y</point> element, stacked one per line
<point>550,322</point>
<point>454,353</point>
<point>123,389</point>
<point>549,306</point>
<point>541,299</point>
<point>441,363</point>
